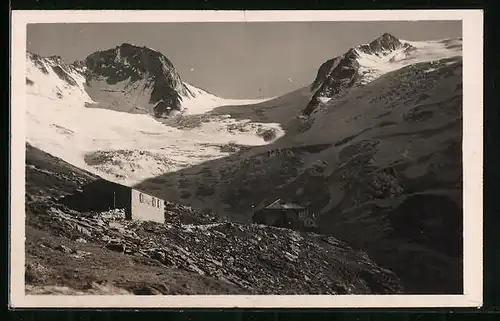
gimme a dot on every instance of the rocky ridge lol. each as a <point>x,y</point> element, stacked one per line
<point>126,78</point>
<point>357,67</point>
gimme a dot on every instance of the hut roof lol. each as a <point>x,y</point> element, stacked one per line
<point>280,204</point>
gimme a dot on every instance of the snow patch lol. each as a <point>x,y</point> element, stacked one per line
<point>323,99</point>
<point>203,102</point>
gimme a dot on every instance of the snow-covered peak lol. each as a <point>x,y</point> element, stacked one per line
<point>147,78</point>
<point>394,55</point>
<point>367,62</point>
<point>126,78</point>
<point>382,45</point>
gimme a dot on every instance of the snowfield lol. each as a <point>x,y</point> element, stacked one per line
<point>63,130</point>
<point>120,146</point>
<point>204,102</point>
<point>374,66</point>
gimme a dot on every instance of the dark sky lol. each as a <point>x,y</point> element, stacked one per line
<point>233,59</point>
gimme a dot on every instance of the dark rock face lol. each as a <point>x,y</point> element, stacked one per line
<point>339,78</point>
<point>129,61</point>
<point>132,63</point>
<point>64,75</point>
<point>165,107</point>
<point>324,71</point>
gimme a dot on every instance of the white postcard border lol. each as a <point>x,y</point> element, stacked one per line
<point>472,158</point>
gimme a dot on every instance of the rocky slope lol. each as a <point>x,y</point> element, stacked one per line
<point>50,177</point>
<point>380,162</point>
<point>194,253</point>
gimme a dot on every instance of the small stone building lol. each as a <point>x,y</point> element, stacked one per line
<point>285,214</point>
<point>146,207</point>
<point>103,195</point>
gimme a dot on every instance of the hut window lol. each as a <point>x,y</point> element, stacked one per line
<point>154,202</point>
<point>141,198</point>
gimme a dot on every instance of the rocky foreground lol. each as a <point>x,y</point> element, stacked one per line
<point>244,258</point>
<point>71,252</point>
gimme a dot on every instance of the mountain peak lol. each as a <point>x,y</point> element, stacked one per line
<point>387,36</point>
<point>143,67</point>
<point>130,46</point>
<point>128,49</point>
<point>386,42</point>
<point>128,59</point>
<point>55,58</point>
<point>353,68</point>
<point>126,44</point>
